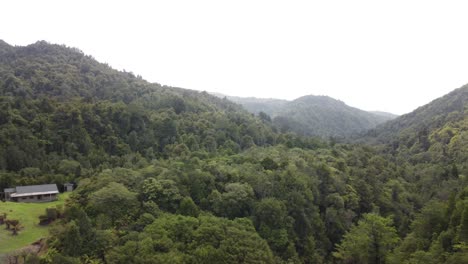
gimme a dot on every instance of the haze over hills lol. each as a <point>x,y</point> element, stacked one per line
<point>171,175</point>
<point>314,115</point>
<point>385,114</point>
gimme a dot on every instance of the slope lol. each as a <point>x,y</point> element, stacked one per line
<point>172,175</point>
<point>314,115</point>
<point>62,111</point>
<point>437,131</point>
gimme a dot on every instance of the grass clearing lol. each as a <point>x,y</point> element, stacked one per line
<point>28,215</point>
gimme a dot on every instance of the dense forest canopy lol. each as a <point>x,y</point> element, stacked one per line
<point>311,115</point>
<point>173,175</point>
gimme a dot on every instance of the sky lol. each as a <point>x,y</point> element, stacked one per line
<point>390,56</point>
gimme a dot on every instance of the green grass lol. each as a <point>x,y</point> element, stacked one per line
<point>28,215</point>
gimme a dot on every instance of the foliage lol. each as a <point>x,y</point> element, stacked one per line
<point>313,115</point>
<point>172,175</point>
<point>369,241</point>
<point>195,240</point>
<point>114,200</point>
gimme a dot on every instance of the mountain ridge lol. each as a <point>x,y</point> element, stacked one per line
<point>312,115</point>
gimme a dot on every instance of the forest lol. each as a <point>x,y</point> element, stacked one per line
<point>310,115</point>
<point>171,175</point>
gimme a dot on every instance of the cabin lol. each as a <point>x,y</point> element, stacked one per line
<point>32,193</point>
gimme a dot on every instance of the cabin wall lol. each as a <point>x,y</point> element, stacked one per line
<point>37,198</point>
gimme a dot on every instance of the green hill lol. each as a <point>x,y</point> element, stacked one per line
<point>436,131</point>
<point>314,115</point>
<point>63,112</point>
<point>170,175</point>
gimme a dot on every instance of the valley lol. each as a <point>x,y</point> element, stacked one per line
<point>172,175</point>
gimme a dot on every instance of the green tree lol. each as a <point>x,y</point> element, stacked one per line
<point>369,241</point>
<point>164,193</point>
<point>269,164</point>
<point>114,200</point>
<point>236,201</point>
<point>188,207</point>
<point>272,222</point>
<point>71,240</point>
<point>463,233</point>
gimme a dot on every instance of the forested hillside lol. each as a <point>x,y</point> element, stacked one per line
<point>436,132</point>
<point>168,175</point>
<point>58,106</point>
<point>314,115</point>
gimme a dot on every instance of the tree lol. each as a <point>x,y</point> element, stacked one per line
<point>188,207</point>
<point>69,167</point>
<point>367,242</point>
<point>247,142</point>
<point>133,140</point>
<point>463,234</point>
<point>263,116</point>
<point>85,227</point>
<point>71,240</point>
<point>51,214</point>
<point>236,201</point>
<point>430,221</point>
<point>114,200</point>
<point>269,164</point>
<point>163,192</point>
<point>15,226</point>
<point>272,222</point>
<point>206,239</point>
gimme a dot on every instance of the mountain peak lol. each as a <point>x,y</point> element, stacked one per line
<point>319,99</point>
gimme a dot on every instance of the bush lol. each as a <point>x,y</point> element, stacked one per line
<point>52,213</point>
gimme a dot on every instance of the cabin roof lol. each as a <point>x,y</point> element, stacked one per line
<point>35,190</point>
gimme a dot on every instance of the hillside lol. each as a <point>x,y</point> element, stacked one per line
<point>170,175</point>
<point>58,106</point>
<point>314,115</point>
<point>438,130</point>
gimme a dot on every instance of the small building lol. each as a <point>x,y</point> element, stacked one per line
<point>68,187</point>
<point>32,193</point>
<point>8,192</point>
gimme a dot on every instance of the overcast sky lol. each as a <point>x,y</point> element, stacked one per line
<point>375,55</point>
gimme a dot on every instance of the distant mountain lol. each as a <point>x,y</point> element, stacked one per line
<point>255,105</point>
<point>314,115</point>
<point>438,130</point>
